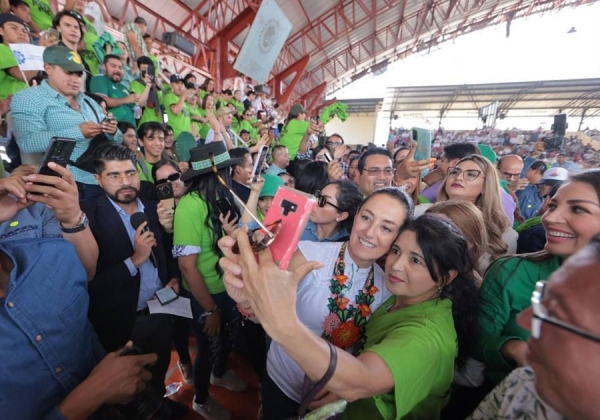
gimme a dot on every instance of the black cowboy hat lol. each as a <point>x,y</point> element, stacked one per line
<point>200,162</point>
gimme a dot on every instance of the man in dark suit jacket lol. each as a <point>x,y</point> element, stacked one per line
<point>131,265</point>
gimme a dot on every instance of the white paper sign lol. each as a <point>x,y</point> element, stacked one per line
<point>264,42</point>
<point>29,57</point>
<point>179,307</point>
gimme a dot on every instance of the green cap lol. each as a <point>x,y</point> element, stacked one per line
<point>64,58</point>
<point>272,183</point>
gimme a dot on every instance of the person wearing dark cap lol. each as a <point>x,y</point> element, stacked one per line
<point>12,31</point>
<point>57,108</point>
<point>245,135</point>
<point>175,107</point>
<point>197,227</point>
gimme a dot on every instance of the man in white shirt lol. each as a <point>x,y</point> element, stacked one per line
<point>224,120</point>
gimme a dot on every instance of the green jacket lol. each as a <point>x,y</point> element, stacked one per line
<point>505,292</point>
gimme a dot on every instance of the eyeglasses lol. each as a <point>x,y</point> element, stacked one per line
<point>540,315</point>
<point>508,175</point>
<point>378,171</point>
<point>247,115</point>
<point>171,178</point>
<point>116,179</point>
<point>333,144</point>
<point>322,201</point>
<point>469,174</point>
<point>259,238</point>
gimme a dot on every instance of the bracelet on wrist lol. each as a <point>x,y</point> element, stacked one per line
<point>80,226</point>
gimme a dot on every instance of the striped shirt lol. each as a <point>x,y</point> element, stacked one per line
<point>40,113</point>
<point>139,36</point>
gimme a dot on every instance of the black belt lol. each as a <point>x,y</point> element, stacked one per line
<point>143,312</point>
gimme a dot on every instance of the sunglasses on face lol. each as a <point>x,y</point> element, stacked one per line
<point>261,237</point>
<point>322,201</point>
<point>171,178</point>
<point>469,174</point>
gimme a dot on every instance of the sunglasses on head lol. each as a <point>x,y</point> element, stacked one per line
<point>171,178</point>
<point>322,201</point>
<point>261,237</point>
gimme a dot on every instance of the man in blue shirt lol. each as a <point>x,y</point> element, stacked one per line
<point>132,264</point>
<point>57,108</point>
<point>53,367</point>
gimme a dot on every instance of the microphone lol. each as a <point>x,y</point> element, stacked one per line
<point>136,220</point>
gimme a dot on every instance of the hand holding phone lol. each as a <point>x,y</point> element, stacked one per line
<point>165,195</point>
<point>59,151</point>
<point>165,295</point>
<point>225,207</point>
<point>260,160</point>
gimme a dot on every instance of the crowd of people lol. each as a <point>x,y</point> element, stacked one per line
<point>459,285</point>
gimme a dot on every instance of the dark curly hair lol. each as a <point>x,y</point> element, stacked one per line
<point>445,249</point>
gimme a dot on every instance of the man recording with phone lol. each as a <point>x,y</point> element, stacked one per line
<point>146,86</point>
<point>132,265</point>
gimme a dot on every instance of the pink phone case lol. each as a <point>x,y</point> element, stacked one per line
<point>293,208</point>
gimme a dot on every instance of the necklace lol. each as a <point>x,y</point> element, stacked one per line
<point>345,324</point>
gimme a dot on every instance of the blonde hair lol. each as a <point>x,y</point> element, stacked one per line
<point>490,204</point>
<point>469,220</point>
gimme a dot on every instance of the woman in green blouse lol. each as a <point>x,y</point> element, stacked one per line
<point>572,219</point>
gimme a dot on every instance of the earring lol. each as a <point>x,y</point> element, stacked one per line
<point>337,219</point>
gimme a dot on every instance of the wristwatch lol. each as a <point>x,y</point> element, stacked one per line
<point>83,223</point>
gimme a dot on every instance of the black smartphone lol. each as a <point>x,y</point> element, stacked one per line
<point>165,195</point>
<point>59,151</point>
<point>165,295</point>
<point>225,206</point>
<point>259,161</point>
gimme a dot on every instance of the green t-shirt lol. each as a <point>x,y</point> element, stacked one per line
<point>195,126</point>
<point>147,174</point>
<point>238,106</point>
<point>505,292</point>
<point>103,85</point>
<point>204,127</point>
<point>191,233</point>
<point>89,54</point>
<point>292,134</point>
<point>41,13</point>
<point>152,112</point>
<point>8,84</point>
<point>180,122</point>
<point>418,344</point>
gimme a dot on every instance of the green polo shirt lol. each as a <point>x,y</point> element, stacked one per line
<point>146,171</point>
<point>41,13</point>
<point>180,122</point>
<point>8,84</point>
<point>105,86</point>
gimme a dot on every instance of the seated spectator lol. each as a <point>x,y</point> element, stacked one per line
<point>508,284</point>
<point>12,31</point>
<point>562,380</point>
<point>119,100</point>
<point>69,375</point>
<point>39,113</point>
<point>530,197</point>
<point>280,160</point>
<point>151,138</point>
<point>130,139</point>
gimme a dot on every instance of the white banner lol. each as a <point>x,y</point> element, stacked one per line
<point>264,42</point>
<point>29,57</point>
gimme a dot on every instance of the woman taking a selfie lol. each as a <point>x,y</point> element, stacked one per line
<point>406,362</point>
<point>334,301</point>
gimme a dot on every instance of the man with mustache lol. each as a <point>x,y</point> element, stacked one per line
<point>131,265</point>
